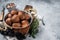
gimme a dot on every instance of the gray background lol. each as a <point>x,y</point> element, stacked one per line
<point>50,9</point>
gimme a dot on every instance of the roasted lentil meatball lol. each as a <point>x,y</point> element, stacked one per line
<point>8,21</point>
<point>14,12</point>
<point>20,13</point>
<point>15,18</point>
<point>22,17</point>
<point>25,23</point>
<point>9,15</point>
<point>16,25</point>
<point>27,16</point>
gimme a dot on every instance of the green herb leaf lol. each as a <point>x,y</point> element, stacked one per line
<point>34,27</point>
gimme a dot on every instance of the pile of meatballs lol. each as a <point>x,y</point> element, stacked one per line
<point>17,19</point>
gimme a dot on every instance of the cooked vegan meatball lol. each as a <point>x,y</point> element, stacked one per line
<point>16,25</point>
<point>27,16</point>
<point>25,23</point>
<point>15,18</point>
<point>14,12</point>
<point>9,15</point>
<point>8,21</point>
<point>20,13</point>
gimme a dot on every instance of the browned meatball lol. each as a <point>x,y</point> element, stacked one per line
<point>9,15</point>
<point>22,17</point>
<point>14,12</point>
<point>25,23</point>
<point>15,18</point>
<point>8,21</point>
<point>20,13</point>
<point>27,16</point>
<point>16,25</point>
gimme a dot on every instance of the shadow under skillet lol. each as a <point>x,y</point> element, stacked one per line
<point>11,33</point>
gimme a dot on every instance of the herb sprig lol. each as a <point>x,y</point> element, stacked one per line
<point>34,27</point>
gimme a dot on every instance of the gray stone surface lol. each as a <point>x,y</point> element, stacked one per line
<point>50,9</point>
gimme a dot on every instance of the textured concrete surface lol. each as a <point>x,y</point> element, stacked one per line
<point>50,9</point>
